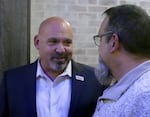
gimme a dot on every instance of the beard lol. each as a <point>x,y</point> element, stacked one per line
<point>103,73</point>
<point>59,66</point>
<point>58,62</point>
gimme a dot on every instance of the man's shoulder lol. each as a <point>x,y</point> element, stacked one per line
<point>83,69</point>
<point>82,65</point>
<point>20,69</point>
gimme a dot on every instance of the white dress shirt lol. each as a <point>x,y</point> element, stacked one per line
<point>53,97</point>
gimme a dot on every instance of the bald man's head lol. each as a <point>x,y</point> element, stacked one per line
<point>56,22</point>
<point>54,43</point>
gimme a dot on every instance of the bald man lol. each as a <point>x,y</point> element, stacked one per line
<point>54,85</point>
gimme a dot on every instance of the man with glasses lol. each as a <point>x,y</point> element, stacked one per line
<point>124,55</point>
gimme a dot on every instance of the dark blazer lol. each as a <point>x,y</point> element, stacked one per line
<point>18,92</point>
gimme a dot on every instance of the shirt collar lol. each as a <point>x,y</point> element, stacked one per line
<point>40,72</point>
<point>115,91</point>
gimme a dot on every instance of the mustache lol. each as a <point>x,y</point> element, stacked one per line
<point>60,55</point>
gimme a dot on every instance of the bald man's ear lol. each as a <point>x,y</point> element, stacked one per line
<point>36,42</point>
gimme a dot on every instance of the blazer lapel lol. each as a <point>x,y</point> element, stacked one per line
<point>78,82</point>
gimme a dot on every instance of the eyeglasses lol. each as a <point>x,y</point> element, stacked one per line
<point>97,38</point>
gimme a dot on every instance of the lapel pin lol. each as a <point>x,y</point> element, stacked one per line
<point>81,78</point>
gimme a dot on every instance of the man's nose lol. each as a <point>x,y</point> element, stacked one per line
<point>60,48</point>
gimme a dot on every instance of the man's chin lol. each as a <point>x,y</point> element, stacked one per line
<point>59,66</point>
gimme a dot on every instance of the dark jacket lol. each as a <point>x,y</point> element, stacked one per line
<point>18,92</point>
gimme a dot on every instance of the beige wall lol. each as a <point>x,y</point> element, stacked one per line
<point>85,17</point>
